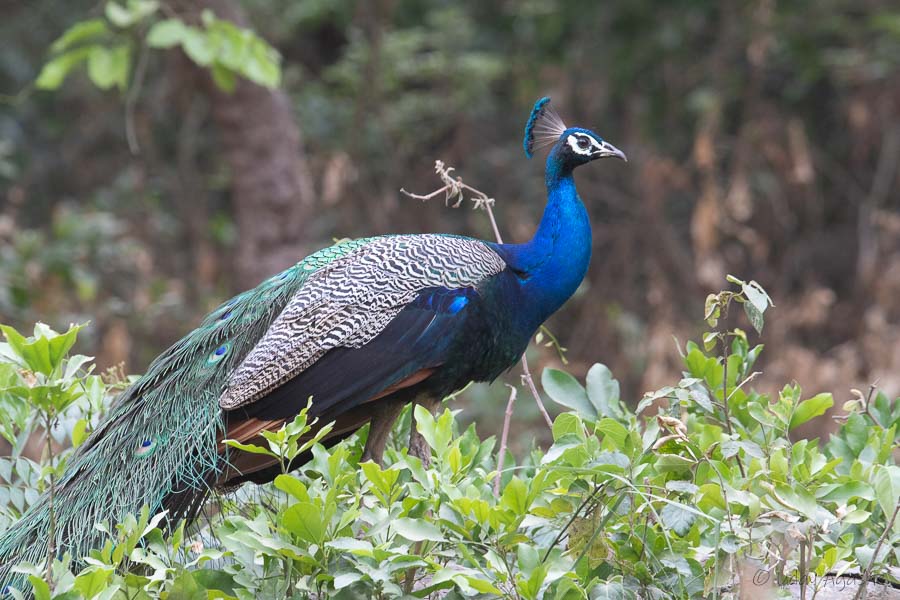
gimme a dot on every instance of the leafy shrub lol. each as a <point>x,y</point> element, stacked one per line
<point>620,505</point>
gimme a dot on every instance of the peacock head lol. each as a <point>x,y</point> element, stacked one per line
<point>572,146</point>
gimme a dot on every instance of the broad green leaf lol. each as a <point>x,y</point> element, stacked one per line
<point>856,433</point>
<point>614,431</point>
<point>852,489</point>
<point>305,520</point>
<point>40,588</point>
<point>483,586</point>
<point>130,14</point>
<point>757,296</point>
<point>609,591</point>
<point>92,581</point>
<point>886,482</point>
<point>166,33</point>
<point>681,486</point>
<point>566,391</point>
<point>515,496</point>
<point>603,391</point>
<point>417,530</point>
<point>567,423</point>
<point>342,580</point>
<point>677,518</point>
<point>348,544</point>
<point>251,448</point>
<point>110,66</point>
<point>55,71</point>
<point>813,407</point>
<point>798,499</point>
<point>293,486</point>
<point>673,463</point>
<point>196,45</point>
<point>755,317</point>
<point>224,77</point>
<point>78,33</point>
<point>79,432</point>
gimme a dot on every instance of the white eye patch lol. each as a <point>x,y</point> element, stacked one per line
<point>583,144</point>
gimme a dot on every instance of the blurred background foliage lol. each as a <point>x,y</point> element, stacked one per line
<point>763,138</point>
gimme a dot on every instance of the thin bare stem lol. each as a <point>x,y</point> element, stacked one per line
<point>513,392</point>
<point>725,397</point>
<point>860,593</point>
<point>51,536</point>
<point>132,97</point>
<point>529,381</point>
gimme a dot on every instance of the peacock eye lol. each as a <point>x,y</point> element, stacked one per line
<point>584,143</point>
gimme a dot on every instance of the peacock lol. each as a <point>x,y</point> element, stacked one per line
<point>363,328</point>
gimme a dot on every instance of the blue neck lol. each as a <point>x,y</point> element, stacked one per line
<point>552,265</point>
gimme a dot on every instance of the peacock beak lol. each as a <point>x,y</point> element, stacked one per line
<point>607,149</point>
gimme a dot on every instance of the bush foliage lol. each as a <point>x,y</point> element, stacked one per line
<point>622,505</point>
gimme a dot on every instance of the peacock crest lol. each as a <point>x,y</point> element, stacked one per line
<point>543,128</point>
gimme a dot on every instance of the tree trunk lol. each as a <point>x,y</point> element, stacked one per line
<point>271,186</point>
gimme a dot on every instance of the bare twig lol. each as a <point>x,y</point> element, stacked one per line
<point>725,398</point>
<point>860,593</point>
<point>132,97</point>
<point>49,420</point>
<point>501,456</point>
<point>529,381</point>
<point>453,188</point>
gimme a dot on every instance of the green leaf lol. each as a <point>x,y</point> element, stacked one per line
<point>856,433</point>
<point>79,432</point>
<point>417,530</point>
<point>342,580</point>
<point>130,14</point>
<point>34,351</point>
<point>755,317</point>
<point>614,431</point>
<point>757,296</point>
<point>78,33</point>
<point>40,588</point>
<point>798,499</point>
<point>852,489</point>
<point>166,33</point>
<point>251,448</point>
<point>483,586</point>
<point>566,391</point>
<point>109,66</point>
<point>815,406</point>
<point>677,518</point>
<point>292,486</point>
<point>54,72</point>
<point>196,45</point>
<point>673,463</point>
<point>677,485</point>
<point>886,482</point>
<point>603,391</point>
<point>567,423</point>
<point>92,581</point>
<point>224,77</point>
<point>304,519</point>
<point>515,496</point>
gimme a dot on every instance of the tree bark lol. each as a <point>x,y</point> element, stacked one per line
<point>271,185</point>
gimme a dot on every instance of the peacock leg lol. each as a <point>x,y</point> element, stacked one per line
<point>418,447</point>
<point>379,430</point>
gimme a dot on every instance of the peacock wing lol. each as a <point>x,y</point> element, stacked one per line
<point>351,302</point>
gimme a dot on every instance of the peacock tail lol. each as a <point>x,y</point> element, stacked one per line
<point>159,439</point>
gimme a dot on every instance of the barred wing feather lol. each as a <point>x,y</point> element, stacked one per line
<point>349,302</point>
